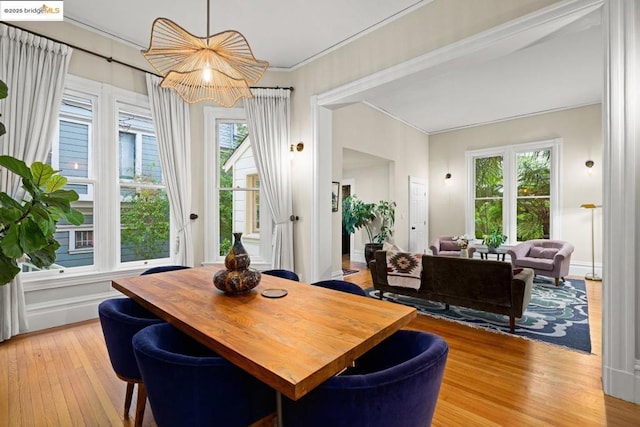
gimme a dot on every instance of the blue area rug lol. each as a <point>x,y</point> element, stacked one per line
<point>556,315</point>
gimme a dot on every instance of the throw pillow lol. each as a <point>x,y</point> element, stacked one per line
<point>404,269</point>
<point>539,252</point>
<point>535,252</point>
<point>517,271</point>
<point>549,253</point>
<point>449,245</point>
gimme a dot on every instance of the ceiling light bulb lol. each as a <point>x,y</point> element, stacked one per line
<point>206,74</point>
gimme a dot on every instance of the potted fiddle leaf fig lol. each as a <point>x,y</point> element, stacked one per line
<point>27,226</point>
<point>376,219</point>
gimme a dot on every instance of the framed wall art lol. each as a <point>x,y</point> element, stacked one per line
<point>335,196</point>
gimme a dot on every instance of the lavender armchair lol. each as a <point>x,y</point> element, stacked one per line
<point>446,246</point>
<point>549,258</point>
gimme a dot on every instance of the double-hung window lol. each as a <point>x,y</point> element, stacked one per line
<point>105,146</point>
<point>144,205</point>
<point>515,190</point>
<point>72,154</point>
<point>234,195</point>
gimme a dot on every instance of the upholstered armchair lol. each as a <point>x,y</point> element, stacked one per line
<point>550,258</point>
<point>446,246</point>
<point>395,383</point>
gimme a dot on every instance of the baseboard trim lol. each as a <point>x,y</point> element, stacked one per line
<point>337,275</point>
<point>65,311</point>
<point>581,269</point>
<point>357,256</point>
<point>623,385</point>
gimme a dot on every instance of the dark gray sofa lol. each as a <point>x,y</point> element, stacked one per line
<point>483,285</point>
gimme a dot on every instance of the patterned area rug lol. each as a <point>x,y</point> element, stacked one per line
<point>556,315</point>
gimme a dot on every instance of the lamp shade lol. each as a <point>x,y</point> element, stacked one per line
<point>588,206</point>
<point>219,67</point>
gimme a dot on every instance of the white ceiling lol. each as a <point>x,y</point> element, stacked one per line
<point>559,70</point>
<point>282,32</point>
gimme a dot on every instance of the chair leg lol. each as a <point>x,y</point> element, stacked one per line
<point>140,405</point>
<point>127,399</point>
<point>557,281</point>
<point>512,324</point>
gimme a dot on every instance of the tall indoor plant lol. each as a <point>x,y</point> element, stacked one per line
<point>376,219</point>
<point>27,226</point>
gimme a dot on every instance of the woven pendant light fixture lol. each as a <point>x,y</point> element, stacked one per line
<point>220,67</point>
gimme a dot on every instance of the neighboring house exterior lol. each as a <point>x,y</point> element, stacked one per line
<point>246,204</point>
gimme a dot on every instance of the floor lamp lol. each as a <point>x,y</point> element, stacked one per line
<point>592,275</point>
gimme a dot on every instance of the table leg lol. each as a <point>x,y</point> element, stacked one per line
<point>278,409</point>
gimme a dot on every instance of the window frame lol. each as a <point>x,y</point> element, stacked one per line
<point>510,193</point>
<point>213,116</point>
<point>72,240</point>
<point>55,145</point>
<point>252,220</point>
<point>105,169</point>
<point>134,106</point>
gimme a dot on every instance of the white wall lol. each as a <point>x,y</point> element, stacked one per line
<point>370,184</point>
<point>366,130</point>
<point>581,133</point>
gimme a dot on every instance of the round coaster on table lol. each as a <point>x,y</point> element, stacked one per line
<point>274,293</point>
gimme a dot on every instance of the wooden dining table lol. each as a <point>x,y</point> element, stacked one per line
<point>292,343</point>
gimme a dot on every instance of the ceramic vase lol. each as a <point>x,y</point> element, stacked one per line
<point>238,277</point>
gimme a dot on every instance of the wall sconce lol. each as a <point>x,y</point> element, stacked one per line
<point>589,164</point>
<point>297,147</point>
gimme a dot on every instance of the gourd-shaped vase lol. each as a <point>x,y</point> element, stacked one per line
<point>238,277</point>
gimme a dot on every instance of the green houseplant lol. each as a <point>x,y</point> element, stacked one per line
<point>493,239</point>
<point>27,226</point>
<point>376,219</point>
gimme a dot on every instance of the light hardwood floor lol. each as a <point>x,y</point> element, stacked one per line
<point>62,377</point>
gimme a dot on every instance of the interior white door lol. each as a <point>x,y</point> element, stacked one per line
<point>417,215</point>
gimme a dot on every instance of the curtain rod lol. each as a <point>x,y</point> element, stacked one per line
<point>111,59</point>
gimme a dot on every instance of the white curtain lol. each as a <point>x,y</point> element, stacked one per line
<point>268,117</point>
<point>34,68</point>
<point>173,133</point>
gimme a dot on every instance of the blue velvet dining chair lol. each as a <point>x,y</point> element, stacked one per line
<point>163,268</point>
<point>394,384</point>
<point>284,274</point>
<point>341,285</point>
<point>190,385</point>
<point>120,319</point>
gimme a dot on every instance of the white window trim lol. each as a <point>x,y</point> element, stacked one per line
<point>509,208</point>
<point>134,103</point>
<point>106,100</point>
<point>213,115</point>
<point>55,147</point>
